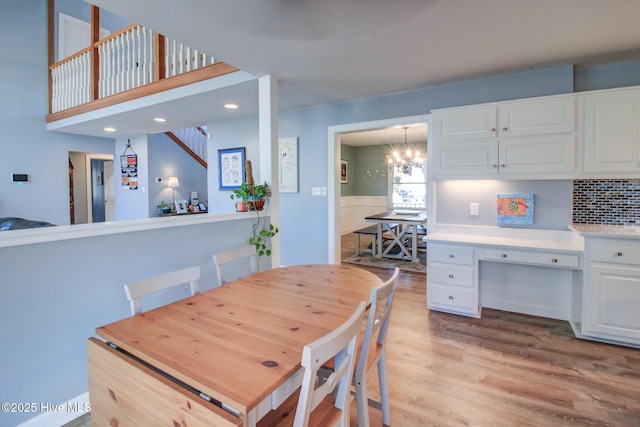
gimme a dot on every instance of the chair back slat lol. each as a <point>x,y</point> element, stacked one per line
<point>222,258</point>
<point>136,290</point>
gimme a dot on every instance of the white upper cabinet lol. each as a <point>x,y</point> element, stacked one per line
<point>524,139</point>
<point>612,133</point>
<point>465,123</point>
<point>537,117</point>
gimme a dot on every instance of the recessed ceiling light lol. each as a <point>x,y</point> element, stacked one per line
<point>231,106</point>
<point>109,129</point>
<point>159,119</point>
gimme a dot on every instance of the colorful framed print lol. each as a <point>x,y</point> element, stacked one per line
<point>231,168</point>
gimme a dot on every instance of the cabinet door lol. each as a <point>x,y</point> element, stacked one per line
<point>478,158</point>
<point>611,303</point>
<point>544,154</point>
<point>537,117</point>
<point>465,123</point>
<point>612,132</point>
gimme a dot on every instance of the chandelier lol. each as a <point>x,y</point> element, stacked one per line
<point>406,159</point>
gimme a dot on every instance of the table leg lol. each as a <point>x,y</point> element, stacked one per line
<point>414,243</point>
<point>380,231</point>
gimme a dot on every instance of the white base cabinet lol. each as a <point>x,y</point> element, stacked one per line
<point>611,294</point>
<point>452,274</point>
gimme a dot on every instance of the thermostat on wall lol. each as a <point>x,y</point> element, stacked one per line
<point>20,177</point>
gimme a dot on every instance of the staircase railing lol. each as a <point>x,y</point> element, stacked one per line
<point>193,141</point>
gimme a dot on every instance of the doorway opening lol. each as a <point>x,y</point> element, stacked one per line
<point>334,191</point>
<point>91,187</point>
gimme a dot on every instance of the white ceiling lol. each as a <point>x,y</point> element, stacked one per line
<point>328,51</point>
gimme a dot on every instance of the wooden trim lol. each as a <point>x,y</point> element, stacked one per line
<point>69,58</point>
<point>186,148</point>
<point>95,58</point>
<point>51,47</point>
<point>116,34</point>
<point>159,51</point>
<point>214,70</point>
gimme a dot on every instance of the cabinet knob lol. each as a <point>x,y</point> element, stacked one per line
<point>618,253</point>
<point>451,276</point>
<point>505,129</point>
<point>503,165</point>
<point>554,260</point>
<point>493,129</point>
<point>494,165</point>
<point>451,256</point>
<point>504,255</point>
<point>451,297</point>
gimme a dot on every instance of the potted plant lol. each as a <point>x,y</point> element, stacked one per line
<point>255,198</point>
<point>165,207</point>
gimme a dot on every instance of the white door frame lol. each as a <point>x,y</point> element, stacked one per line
<point>334,140</point>
<point>88,159</point>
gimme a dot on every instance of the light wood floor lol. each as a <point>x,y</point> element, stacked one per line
<point>505,369</point>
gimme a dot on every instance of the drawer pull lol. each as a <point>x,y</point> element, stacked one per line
<point>505,129</point>
<point>451,256</point>
<point>504,255</point>
<point>554,260</point>
<point>451,297</point>
<point>451,276</point>
<point>618,253</point>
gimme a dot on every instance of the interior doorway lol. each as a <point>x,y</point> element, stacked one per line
<point>334,193</point>
<point>93,187</point>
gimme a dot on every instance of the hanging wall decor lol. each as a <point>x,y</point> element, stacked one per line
<point>514,209</point>
<point>231,167</point>
<point>288,164</point>
<point>129,167</point>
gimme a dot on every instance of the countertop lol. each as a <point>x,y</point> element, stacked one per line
<point>601,230</point>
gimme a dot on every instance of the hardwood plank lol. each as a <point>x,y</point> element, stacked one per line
<point>506,369</point>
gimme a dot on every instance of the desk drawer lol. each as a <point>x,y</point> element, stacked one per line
<point>450,254</point>
<point>547,259</point>
<point>451,297</point>
<point>451,274</point>
<point>617,251</point>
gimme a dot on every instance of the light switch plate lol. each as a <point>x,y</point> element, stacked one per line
<point>474,209</point>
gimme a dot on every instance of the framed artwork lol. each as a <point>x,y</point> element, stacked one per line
<point>514,209</point>
<point>181,206</point>
<point>288,164</point>
<point>344,171</point>
<point>203,207</point>
<point>231,168</point>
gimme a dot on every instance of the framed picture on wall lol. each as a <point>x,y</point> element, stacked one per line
<point>231,168</point>
<point>344,171</point>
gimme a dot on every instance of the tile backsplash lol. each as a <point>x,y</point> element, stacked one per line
<point>606,201</point>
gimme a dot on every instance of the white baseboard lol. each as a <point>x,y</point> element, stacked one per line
<point>58,415</point>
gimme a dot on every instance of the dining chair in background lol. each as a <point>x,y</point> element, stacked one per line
<point>328,404</point>
<point>247,252</point>
<point>372,349</point>
<point>136,290</point>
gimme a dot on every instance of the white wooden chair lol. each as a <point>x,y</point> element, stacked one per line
<point>372,349</point>
<point>221,258</point>
<point>136,290</point>
<point>328,404</point>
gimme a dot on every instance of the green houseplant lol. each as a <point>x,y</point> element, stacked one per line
<point>252,197</point>
<point>165,207</point>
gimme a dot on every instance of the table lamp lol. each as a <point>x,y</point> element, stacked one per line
<point>173,183</point>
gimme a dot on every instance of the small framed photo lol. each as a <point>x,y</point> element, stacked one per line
<point>231,168</point>
<point>344,171</point>
<point>203,207</point>
<point>181,206</point>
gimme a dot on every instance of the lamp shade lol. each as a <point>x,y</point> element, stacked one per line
<point>173,182</point>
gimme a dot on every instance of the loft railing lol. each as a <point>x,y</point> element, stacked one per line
<point>128,59</point>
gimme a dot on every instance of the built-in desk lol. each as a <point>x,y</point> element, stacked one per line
<point>524,271</point>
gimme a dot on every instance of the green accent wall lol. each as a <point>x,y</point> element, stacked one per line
<point>367,170</point>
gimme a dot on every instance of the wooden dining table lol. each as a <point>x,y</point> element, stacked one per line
<point>238,345</point>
